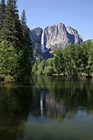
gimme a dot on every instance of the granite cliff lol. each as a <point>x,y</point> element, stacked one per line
<point>56,36</point>
<point>36,34</point>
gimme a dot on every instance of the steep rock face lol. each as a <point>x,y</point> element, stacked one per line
<point>36,34</point>
<point>77,37</point>
<point>60,36</point>
<point>56,36</point>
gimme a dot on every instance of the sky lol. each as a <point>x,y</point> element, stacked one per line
<point>77,14</point>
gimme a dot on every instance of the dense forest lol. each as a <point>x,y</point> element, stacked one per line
<point>15,44</point>
<point>73,61</point>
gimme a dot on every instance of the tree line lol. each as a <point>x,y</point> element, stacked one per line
<point>74,61</point>
<point>15,45</point>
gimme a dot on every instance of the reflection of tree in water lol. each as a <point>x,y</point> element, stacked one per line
<point>75,94</point>
<point>14,109</point>
<point>66,95</point>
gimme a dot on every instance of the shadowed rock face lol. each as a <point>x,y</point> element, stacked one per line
<point>77,38</point>
<point>56,36</point>
<point>36,34</point>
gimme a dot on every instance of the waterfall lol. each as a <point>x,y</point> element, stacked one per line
<point>42,42</point>
<point>41,103</point>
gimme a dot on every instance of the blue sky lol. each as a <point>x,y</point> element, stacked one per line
<point>75,13</point>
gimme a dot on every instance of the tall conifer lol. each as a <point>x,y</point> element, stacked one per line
<point>25,29</point>
<point>9,27</point>
<point>27,41</point>
<point>2,16</point>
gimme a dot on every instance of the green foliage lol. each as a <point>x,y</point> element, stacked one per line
<point>49,62</point>
<point>9,28</point>
<point>35,68</point>
<point>39,60</point>
<point>85,56</point>
<point>9,78</point>
<point>23,69</point>
<point>2,14</point>
<point>69,59</point>
<point>25,31</point>
<point>59,61</point>
<point>90,60</point>
<point>8,58</point>
<point>41,67</point>
<point>48,70</point>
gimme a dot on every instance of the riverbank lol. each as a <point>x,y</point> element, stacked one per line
<point>68,76</point>
<point>5,80</point>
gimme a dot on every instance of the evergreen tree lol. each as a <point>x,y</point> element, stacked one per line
<point>18,34</point>
<point>25,30</point>
<point>8,58</point>
<point>25,33</point>
<point>2,13</point>
<point>24,67</point>
<point>2,16</point>
<point>9,31</point>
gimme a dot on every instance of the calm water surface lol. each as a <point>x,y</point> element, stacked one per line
<point>48,109</point>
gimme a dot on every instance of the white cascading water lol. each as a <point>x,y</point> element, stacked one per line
<point>42,42</point>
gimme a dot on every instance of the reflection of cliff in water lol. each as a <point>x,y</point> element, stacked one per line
<point>44,105</point>
<point>54,110</point>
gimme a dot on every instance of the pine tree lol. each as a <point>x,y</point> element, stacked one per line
<point>9,31</point>
<point>2,15</point>
<point>8,58</point>
<point>26,37</point>
<point>25,29</point>
<point>19,34</point>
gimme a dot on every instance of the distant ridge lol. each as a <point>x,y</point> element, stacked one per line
<point>88,40</point>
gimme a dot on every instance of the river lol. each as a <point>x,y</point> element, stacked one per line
<point>49,108</point>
